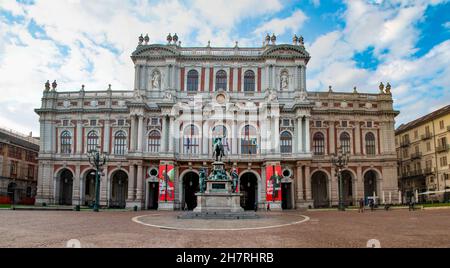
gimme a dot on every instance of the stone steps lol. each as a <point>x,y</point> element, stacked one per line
<point>219,215</point>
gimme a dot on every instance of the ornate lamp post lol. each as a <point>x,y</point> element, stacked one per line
<point>340,161</point>
<point>97,160</point>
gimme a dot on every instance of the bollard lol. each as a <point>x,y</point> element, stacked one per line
<point>135,208</point>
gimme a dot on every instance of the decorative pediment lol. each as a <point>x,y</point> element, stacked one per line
<point>154,50</point>
<point>287,51</point>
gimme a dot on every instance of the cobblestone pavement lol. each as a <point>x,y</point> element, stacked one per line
<point>400,228</point>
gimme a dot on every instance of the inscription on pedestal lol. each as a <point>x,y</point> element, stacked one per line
<point>218,186</point>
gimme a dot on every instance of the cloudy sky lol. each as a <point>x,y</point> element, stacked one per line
<point>352,43</point>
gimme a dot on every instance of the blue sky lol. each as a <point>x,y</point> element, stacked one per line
<point>352,43</point>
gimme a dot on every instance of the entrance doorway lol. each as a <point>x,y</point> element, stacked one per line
<point>348,187</point>
<point>191,186</point>
<point>153,195</point>
<point>248,188</point>
<point>370,183</point>
<point>12,192</point>
<point>320,189</point>
<point>65,187</point>
<point>89,191</point>
<point>286,199</point>
<point>119,190</point>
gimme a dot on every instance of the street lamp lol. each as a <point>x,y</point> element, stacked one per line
<point>340,161</point>
<point>97,160</point>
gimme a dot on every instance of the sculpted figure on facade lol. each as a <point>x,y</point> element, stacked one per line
<point>156,80</point>
<point>284,80</point>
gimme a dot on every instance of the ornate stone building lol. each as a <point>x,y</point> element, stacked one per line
<point>18,167</point>
<point>423,151</point>
<point>159,135</point>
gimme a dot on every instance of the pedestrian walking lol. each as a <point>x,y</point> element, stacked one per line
<point>361,205</point>
<point>412,203</point>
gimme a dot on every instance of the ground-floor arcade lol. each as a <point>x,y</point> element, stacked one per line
<point>172,185</point>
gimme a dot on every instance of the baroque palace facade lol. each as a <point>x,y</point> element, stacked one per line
<point>159,135</point>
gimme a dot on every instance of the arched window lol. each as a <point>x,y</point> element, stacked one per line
<point>92,141</point>
<point>318,144</point>
<point>192,80</point>
<point>285,142</point>
<point>249,140</point>
<point>345,142</point>
<point>191,140</point>
<point>154,141</point>
<point>221,80</point>
<point>120,143</point>
<point>66,142</point>
<point>221,132</point>
<point>249,81</point>
<point>370,143</point>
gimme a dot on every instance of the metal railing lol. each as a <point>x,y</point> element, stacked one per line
<point>442,148</point>
<point>426,136</point>
<point>416,155</point>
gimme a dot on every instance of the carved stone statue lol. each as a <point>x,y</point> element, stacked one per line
<point>47,85</point>
<point>54,85</point>
<point>234,178</point>
<point>219,151</point>
<point>156,80</point>
<point>284,81</point>
<point>388,88</point>
<point>381,87</point>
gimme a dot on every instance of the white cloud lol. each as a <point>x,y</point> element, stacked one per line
<point>279,26</point>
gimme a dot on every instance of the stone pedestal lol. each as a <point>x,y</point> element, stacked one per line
<point>166,206</point>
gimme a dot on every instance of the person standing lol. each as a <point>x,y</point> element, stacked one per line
<point>268,206</point>
<point>372,204</point>
<point>361,205</point>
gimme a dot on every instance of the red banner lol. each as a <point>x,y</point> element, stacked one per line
<point>166,183</point>
<point>273,183</point>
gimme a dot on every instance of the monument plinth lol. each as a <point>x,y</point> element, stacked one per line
<point>218,197</point>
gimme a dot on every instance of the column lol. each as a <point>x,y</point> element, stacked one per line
<point>171,134</point>
<point>133,134</point>
<point>262,191</point>
<point>308,184</point>
<point>140,132</point>
<point>76,187</point>
<point>107,137</point>
<point>274,78</point>
<point>331,138</point>
<point>79,137</point>
<point>299,183</point>
<point>131,183</point>
<point>164,134</point>
<point>303,77</point>
<point>307,134</point>
<point>357,138</point>
<point>276,136</point>
<point>140,182</point>
<point>235,136</point>
<point>205,139</point>
<point>136,77</point>
<point>266,78</point>
<point>300,135</point>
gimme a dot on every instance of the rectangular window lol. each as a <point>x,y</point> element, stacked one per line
<point>120,122</point>
<point>318,123</point>
<point>65,123</point>
<point>416,134</point>
<point>286,122</point>
<point>13,169</point>
<point>369,123</point>
<point>428,146</point>
<point>344,124</point>
<point>155,121</point>
<point>93,123</point>
<point>443,161</point>
<point>427,130</point>
<point>14,152</point>
<point>30,172</point>
<point>441,124</point>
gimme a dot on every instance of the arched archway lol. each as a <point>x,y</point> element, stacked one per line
<point>89,188</point>
<point>119,189</point>
<point>190,187</point>
<point>319,187</point>
<point>12,192</point>
<point>347,179</point>
<point>65,187</point>
<point>370,183</point>
<point>248,187</point>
